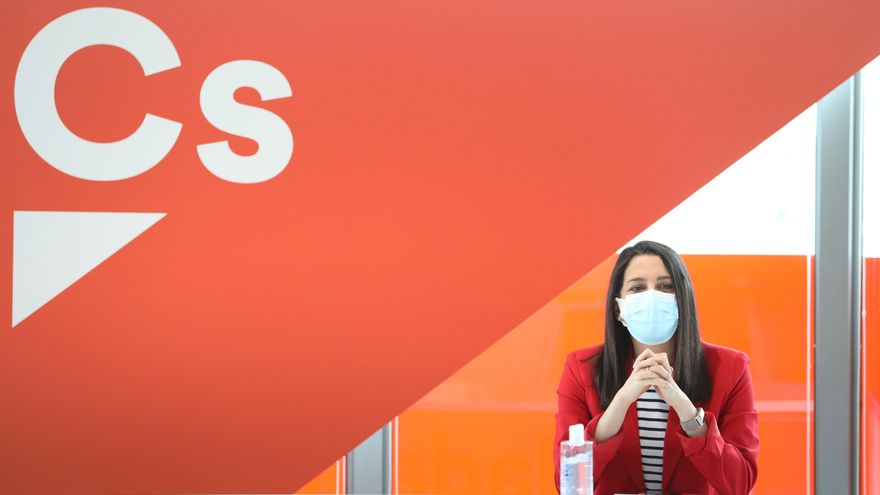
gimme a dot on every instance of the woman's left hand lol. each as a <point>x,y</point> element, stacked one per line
<point>668,389</point>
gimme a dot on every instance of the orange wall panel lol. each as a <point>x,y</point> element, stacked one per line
<point>871,379</point>
<point>329,481</point>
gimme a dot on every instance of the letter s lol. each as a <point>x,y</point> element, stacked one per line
<point>264,127</point>
<point>35,94</point>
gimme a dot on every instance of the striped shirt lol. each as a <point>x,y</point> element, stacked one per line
<point>652,413</point>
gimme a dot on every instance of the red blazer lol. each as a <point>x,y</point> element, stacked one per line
<point>723,462</point>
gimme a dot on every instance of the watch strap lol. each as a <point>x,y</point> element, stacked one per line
<point>694,424</point>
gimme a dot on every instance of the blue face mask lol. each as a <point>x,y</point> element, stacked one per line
<point>650,316</point>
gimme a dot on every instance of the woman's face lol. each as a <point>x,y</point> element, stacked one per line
<point>645,272</point>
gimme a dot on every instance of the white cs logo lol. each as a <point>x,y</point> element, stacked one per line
<point>67,152</point>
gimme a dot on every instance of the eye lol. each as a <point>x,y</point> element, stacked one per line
<point>667,287</point>
<point>636,288</point>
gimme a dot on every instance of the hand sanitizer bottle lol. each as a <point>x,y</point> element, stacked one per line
<point>576,457</point>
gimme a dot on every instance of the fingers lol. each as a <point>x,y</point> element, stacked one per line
<point>657,359</point>
<point>647,363</point>
<point>660,358</point>
<point>658,383</point>
<point>654,371</point>
<point>646,354</point>
<point>644,363</point>
<point>663,359</point>
<point>661,372</point>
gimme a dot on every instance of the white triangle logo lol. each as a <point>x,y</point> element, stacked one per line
<point>53,249</point>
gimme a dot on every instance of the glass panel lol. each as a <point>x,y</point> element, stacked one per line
<point>747,239</point>
<point>870,440</point>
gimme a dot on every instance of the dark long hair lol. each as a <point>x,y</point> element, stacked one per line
<point>609,367</point>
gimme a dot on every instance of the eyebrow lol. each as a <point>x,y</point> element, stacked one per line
<point>642,279</point>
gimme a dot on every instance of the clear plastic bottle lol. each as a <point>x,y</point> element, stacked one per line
<point>576,459</point>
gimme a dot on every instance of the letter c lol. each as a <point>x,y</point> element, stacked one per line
<point>35,94</point>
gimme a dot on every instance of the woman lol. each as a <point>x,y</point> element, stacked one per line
<point>666,412</point>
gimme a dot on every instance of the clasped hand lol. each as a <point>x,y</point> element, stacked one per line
<point>654,369</point>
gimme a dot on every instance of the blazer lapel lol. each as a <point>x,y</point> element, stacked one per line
<point>631,448</point>
<point>671,448</point>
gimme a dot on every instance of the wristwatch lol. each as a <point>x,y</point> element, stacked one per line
<point>692,425</point>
